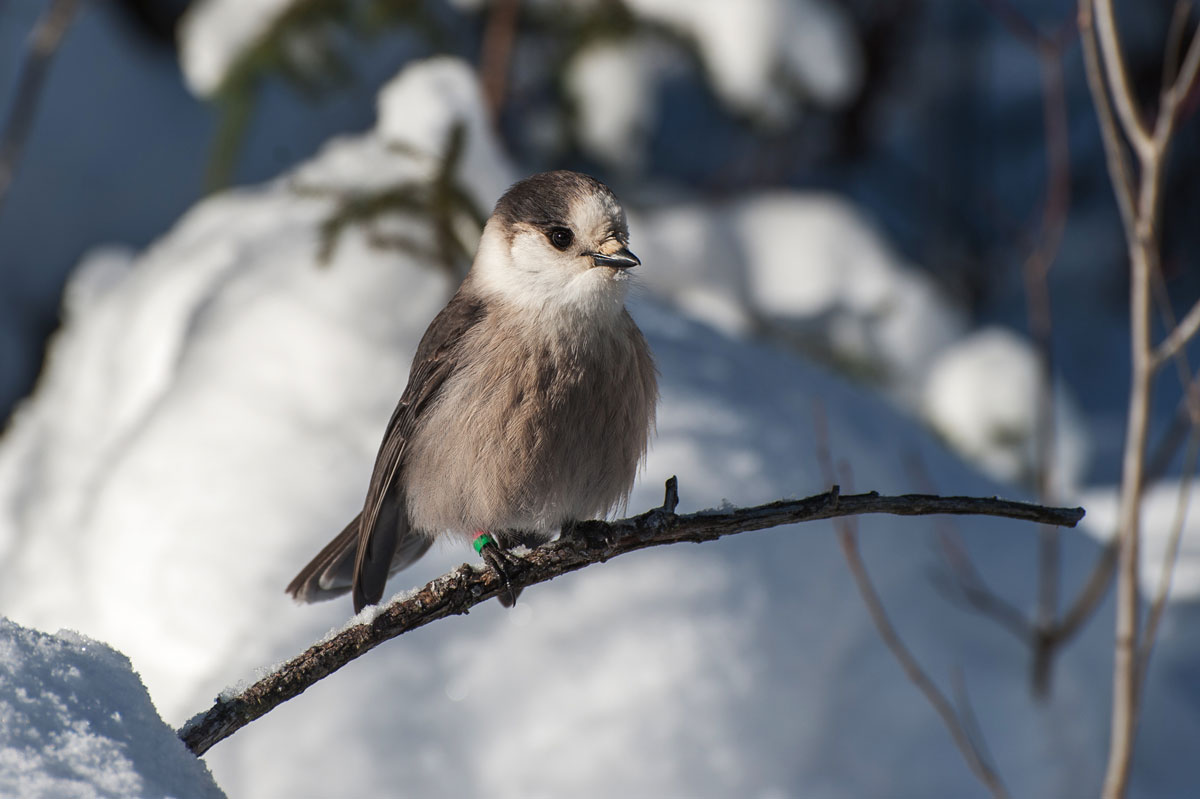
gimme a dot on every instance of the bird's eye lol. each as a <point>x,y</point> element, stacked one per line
<point>561,237</point>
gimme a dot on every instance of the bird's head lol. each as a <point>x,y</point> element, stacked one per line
<point>556,240</point>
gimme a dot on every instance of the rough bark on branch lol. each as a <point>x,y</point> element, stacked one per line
<point>586,543</point>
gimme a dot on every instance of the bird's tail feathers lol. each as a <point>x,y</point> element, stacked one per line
<point>331,573</point>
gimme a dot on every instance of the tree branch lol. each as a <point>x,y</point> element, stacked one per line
<point>43,44</point>
<point>1141,218</point>
<point>1118,80</point>
<point>966,737</point>
<point>1176,92</point>
<point>586,543</point>
<point>1119,170</point>
<point>495,55</point>
<point>1175,33</point>
<point>959,727</point>
<point>1159,605</point>
<point>1180,335</point>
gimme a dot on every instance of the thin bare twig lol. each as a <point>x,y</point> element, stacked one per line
<point>964,731</point>
<point>984,600</point>
<point>43,44</point>
<point>1129,518</point>
<point>1119,170</point>
<point>495,54</point>
<point>959,728</point>
<point>1140,202</point>
<point>1124,680</point>
<point>1049,49</point>
<point>1180,335</point>
<point>1175,33</point>
<point>1186,416</point>
<point>1183,369</point>
<point>1190,405</point>
<point>1178,91</point>
<point>1089,598</point>
<point>1118,79</point>
<point>1037,290</point>
<point>1159,604</point>
<point>966,712</point>
<point>847,533</point>
<point>968,585</point>
<point>587,543</point>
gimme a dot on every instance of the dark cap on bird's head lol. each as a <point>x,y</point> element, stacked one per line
<point>566,207</point>
<point>547,198</point>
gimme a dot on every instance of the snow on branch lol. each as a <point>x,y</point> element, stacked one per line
<point>586,543</point>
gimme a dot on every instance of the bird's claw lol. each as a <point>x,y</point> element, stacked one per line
<point>591,533</point>
<point>500,561</point>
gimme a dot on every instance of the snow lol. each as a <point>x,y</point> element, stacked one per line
<point>75,721</point>
<point>820,51</point>
<point>982,395</point>
<point>156,337</point>
<point>214,34</point>
<point>613,85</point>
<point>1160,517</point>
<point>743,76</point>
<point>815,257</point>
<point>413,115</point>
<point>207,420</point>
<point>812,269</point>
<point>811,272</point>
<point>697,263</point>
<point>810,41</point>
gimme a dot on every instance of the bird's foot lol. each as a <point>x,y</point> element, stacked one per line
<point>501,562</point>
<point>591,533</point>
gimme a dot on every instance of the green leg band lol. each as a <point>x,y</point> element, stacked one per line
<point>481,541</point>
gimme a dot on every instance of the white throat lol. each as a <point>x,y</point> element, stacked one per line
<point>521,272</point>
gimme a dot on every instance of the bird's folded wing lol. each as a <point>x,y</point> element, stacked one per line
<point>433,363</point>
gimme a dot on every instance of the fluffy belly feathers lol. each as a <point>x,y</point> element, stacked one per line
<point>504,446</point>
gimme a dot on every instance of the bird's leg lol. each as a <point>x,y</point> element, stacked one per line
<point>498,559</point>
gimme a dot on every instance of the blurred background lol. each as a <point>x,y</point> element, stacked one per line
<point>224,223</point>
<point>960,134</point>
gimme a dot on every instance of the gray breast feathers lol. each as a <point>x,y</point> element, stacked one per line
<point>532,429</point>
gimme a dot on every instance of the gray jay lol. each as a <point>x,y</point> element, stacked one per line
<point>529,401</point>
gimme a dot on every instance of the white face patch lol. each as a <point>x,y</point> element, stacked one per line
<point>526,270</point>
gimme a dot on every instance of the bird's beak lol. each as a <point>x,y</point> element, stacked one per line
<point>621,259</point>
